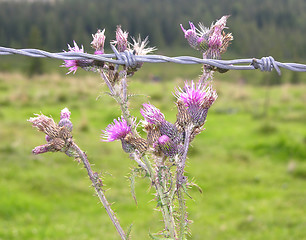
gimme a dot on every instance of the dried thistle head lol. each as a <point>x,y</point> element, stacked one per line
<point>58,136</point>
<point>46,125</point>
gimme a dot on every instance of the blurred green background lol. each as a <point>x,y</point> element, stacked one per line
<point>250,160</point>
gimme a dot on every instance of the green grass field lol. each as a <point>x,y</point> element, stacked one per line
<point>250,161</point>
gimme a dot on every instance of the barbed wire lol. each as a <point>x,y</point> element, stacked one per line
<point>129,59</point>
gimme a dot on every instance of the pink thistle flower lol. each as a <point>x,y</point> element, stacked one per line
<point>217,41</point>
<point>121,41</point>
<point>115,131</point>
<point>98,41</point>
<point>197,98</point>
<point>212,42</point>
<point>192,37</point>
<point>152,114</point>
<point>73,64</point>
<point>191,95</point>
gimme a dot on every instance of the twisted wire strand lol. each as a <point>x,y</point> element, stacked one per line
<point>128,59</point>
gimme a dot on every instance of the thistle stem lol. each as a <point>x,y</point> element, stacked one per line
<point>121,99</point>
<point>182,159</point>
<point>99,191</point>
<point>182,216</point>
<point>165,207</point>
<point>180,181</point>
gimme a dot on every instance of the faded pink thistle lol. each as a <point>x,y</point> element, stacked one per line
<point>121,41</point>
<point>139,46</point>
<point>73,64</point>
<point>115,131</point>
<point>65,113</point>
<point>98,41</point>
<point>218,42</point>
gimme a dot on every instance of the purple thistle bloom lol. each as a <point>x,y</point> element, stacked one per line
<point>197,98</point>
<point>152,114</point>
<point>73,64</point>
<point>192,37</point>
<point>189,32</point>
<point>192,95</point>
<point>115,131</point>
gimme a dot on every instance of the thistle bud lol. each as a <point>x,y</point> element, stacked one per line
<point>167,146</point>
<point>170,130</point>
<point>127,147</point>
<point>138,143</point>
<point>153,133</point>
<point>65,119</point>
<point>182,116</point>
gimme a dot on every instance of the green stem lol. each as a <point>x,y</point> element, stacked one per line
<point>181,181</point>
<point>165,207</point>
<point>182,211</point>
<point>99,191</point>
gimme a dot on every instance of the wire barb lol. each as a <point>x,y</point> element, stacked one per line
<point>266,64</point>
<point>129,59</point>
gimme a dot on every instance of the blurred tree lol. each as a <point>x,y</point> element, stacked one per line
<point>269,28</point>
<point>295,77</point>
<point>34,41</point>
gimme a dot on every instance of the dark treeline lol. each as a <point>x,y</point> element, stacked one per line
<point>260,28</point>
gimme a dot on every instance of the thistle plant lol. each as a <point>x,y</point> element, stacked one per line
<point>162,155</point>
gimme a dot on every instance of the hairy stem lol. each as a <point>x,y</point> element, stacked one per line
<point>122,99</point>
<point>181,181</point>
<point>182,159</point>
<point>165,207</point>
<point>95,182</point>
<point>182,214</point>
